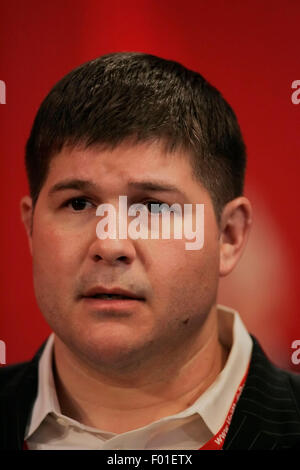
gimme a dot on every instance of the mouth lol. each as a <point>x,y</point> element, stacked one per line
<point>114,299</point>
<point>110,297</point>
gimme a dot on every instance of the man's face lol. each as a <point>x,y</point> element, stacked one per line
<point>179,286</point>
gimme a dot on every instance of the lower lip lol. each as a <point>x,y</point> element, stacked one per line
<point>114,304</point>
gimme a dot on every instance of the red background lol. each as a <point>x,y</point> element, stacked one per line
<point>249,50</point>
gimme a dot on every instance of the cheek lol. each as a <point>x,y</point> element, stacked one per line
<point>171,257</point>
<point>166,258</point>
<point>54,254</point>
<point>55,265</point>
<point>177,272</point>
<point>185,287</point>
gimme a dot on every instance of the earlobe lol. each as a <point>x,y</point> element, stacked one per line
<point>27,217</point>
<point>236,221</point>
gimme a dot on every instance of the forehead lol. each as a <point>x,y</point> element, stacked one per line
<point>120,168</point>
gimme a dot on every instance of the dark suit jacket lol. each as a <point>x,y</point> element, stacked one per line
<point>267,415</point>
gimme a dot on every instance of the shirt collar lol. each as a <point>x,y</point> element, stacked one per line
<point>212,405</point>
<point>46,401</point>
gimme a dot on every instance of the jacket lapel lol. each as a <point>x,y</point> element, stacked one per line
<point>265,417</point>
<point>17,403</point>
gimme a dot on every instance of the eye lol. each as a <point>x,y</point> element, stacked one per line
<point>78,204</point>
<point>154,209</point>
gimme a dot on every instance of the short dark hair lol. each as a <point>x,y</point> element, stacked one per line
<point>135,95</point>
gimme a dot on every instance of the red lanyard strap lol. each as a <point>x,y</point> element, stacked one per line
<point>217,441</point>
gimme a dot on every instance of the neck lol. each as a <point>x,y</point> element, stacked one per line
<point>120,404</point>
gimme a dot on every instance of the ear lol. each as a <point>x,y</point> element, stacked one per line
<point>27,218</point>
<point>235,224</point>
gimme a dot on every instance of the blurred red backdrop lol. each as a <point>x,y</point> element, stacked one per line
<point>249,50</point>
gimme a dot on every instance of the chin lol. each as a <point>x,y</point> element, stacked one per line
<point>115,351</point>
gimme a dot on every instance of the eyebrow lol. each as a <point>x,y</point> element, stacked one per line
<point>150,185</point>
<point>87,185</point>
<point>81,185</point>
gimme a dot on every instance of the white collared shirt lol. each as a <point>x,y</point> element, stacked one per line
<point>49,429</point>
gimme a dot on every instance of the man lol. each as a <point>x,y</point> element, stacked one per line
<point>141,355</point>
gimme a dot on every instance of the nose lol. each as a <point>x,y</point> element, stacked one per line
<point>112,250</point>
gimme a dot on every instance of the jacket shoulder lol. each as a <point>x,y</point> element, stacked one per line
<point>294,382</point>
<point>267,415</point>
<point>18,390</point>
<point>12,376</point>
